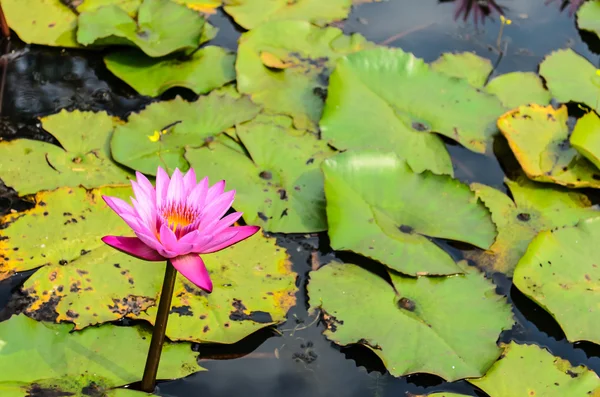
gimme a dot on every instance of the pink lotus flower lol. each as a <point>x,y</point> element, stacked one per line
<point>178,220</point>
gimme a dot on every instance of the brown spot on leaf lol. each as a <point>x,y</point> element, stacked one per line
<point>131,305</point>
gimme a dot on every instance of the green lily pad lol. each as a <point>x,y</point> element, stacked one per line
<point>560,271</point>
<point>129,6</point>
<point>21,390</point>
<point>539,138</point>
<point>536,207</point>
<point>586,137</point>
<point>375,85</point>
<point>93,361</point>
<point>464,65</point>
<point>588,17</point>
<point>202,71</point>
<point>528,370</point>
<point>571,78</point>
<point>280,186</point>
<point>251,13</point>
<point>378,207</point>
<point>447,326</point>
<point>65,224</point>
<point>159,134</point>
<point>30,166</point>
<point>46,22</point>
<point>284,66</point>
<point>161,27</point>
<point>519,88</point>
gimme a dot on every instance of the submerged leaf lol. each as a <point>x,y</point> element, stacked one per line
<point>204,70</point>
<point>447,326</point>
<point>285,65</point>
<point>539,138</point>
<point>586,138</point>
<point>536,207</point>
<point>159,134</point>
<point>528,370</point>
<point>464,65</point>
<point>378,207</point>
<point>30,166</point>
<point>519,88</point>
<point>280,186</point>
<point>251,13</point>
<point>560,272</point>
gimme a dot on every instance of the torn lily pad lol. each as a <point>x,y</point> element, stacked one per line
<point>464,65</point>
<point>586,137</point>
<point>96,360</point>
<point>160,28</point>
<point>29,166</point>
<point>201,71</point>
<point>379,95</point>
<point>519,88</point>
<point>285,65</point>
<point>561,273</point>
<point>539,138</point>
<point>447,326</point>
<point>571,78</point>
<point>159,134</point>
<point>251,13</point>
<point>280,185</point>
<point>528,370</point>
<point>536,207</point>
<point>378,207</point>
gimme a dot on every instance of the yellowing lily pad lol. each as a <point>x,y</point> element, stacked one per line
<point>159,134</point>
<point>160,28</point>
<point>279,186</point>
<point>378,207</point>
<point>539,138</point>
<point>202,71</point>
<point>395,99</point>
<point>519,88</point>
<point>203,6</point>
<point>560,271</point>
<point>586,137</point>
<point>464,65</point>
<point>447,326</point>
<point>251,13</point>
<point>30,166</point>
<point>571,78</point>
<point>536,207</point>
<point>528,370</point>
<point>93,362</point>
<point>285,65</point>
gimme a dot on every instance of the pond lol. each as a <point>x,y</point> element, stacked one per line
<point>294,357</point>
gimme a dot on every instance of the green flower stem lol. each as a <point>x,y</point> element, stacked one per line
<point>160,327</point>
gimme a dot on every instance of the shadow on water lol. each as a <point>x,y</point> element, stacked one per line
<point>295,359</point>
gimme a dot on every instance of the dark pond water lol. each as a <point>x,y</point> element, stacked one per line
<point>297,360</point>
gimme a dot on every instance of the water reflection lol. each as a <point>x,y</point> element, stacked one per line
<point>572,5</point>
<point>479,9</point>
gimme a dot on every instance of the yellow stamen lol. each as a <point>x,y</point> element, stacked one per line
<point>178,216</point>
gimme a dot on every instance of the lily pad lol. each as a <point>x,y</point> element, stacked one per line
<point>560,271</point>
<point>464,65</point>
<point>30,166</point>
<point>129,6</point>
<point>447,326</point>
<point>82,363</point>
<point>378,207</point>
<point>539,138</point>
<point>588,17</point>
<point>64,224</point>
<point>46,22</point>
<point>203,6</point>
<point>519,88</point>
<point>382,86</point>
<point>280,185</point>
<point>571,78</point>
<point>251,13</point>
<point>159,134</point>
<point>442,394</point>
<point>161,27</point>
<point>586,137</point>
<point>202,71</point>
<point>536,207</point>
<point>528,370</point>
<point>285,65</point>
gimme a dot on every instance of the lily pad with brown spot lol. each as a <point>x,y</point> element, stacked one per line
<point>278,180</point>
<point>29,166</point>
<point>586,138</point>
<point>464,65</point>
<point>539,138</point>
<point>529,370</point>
<point>285,65</point>
<point>534,207</point>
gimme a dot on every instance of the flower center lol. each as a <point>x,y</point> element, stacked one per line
<point>178,216</point>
